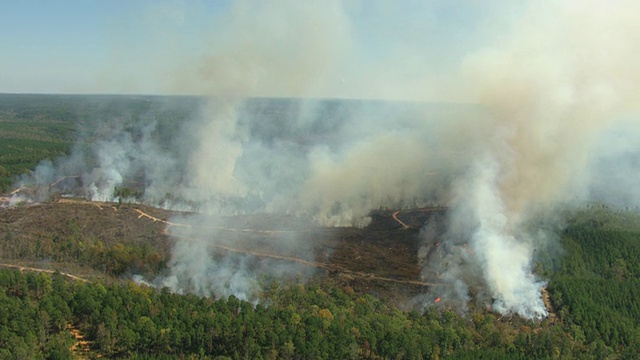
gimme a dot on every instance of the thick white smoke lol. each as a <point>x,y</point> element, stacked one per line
<point>552,84</point>
<point>503,254</point>
<point>553,93</point>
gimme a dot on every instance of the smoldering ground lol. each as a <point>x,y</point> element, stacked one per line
<point>554,112</point>
<point>552,94</point>
<point>221,259</point>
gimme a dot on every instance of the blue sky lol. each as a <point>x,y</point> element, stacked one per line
<point>49,46</point>
<point>67,46</point>
<point>152,47</point>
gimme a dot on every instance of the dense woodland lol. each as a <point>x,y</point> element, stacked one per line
<point>594,287</point>
<point>38,127</point>
<point>597,286</point>
<point>295,321</point>
<point>34,128</point>
<point>595,290</point>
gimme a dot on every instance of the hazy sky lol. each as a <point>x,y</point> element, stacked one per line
<point>124,46</point>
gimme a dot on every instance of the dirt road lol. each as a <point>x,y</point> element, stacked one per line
<point>48,271</point>
<point>262,254</point>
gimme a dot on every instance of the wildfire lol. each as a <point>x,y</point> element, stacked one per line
<point>467,249</point>
<point>438,300</point>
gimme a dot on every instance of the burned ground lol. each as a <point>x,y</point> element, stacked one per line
<point>379,259</point>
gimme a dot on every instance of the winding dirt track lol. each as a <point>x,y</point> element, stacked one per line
<point>48,271</point>
<point>240,249</point>
<point>261,254</point>
<point>395,217</point>
<point>403,224</point>
<point>170,224</point>
<point>64,178</point>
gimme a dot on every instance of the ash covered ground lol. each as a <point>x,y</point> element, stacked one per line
<point>379,259</point>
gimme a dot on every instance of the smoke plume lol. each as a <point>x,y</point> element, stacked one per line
<point>551,93</point>
<point>535,106</point>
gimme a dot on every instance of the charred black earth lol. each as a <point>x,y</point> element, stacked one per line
<point>379,259</point>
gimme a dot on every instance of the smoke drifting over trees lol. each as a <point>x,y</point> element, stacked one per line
<point>553,88</point>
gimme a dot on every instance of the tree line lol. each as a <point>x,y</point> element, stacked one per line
<point>294,321</point>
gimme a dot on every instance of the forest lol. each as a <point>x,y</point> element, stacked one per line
<point>314,321</point>
<point>594,286</point>
<point>38,127</point>
<point>594,290</point>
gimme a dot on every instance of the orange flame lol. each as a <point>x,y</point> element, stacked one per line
<point>466,249</point>
<point>438,300</point>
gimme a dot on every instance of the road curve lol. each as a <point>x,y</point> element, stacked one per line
<point>48,271</point>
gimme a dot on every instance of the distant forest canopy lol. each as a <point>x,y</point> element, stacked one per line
<point>38,127</point>
<point>44,127</point>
